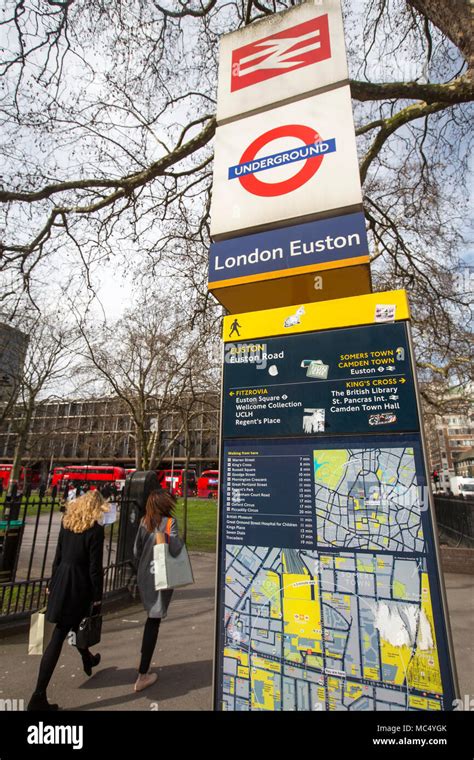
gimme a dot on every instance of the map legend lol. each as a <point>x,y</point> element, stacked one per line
<point>263,497</point>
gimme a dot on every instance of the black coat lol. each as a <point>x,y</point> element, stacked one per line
<point>77,576</point>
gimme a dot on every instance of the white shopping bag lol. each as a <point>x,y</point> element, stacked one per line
<point>40,632</point>
<point>171,572</point>
<point>111,516</point>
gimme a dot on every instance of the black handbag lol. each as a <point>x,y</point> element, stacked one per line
<point>89,631</point>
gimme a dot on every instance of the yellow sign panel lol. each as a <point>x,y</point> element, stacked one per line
<point>370,308</point>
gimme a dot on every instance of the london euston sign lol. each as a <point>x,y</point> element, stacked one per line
<point>303,166</point>
<point>281,58</point>
<point>322,244</point>
<point>329,592</point>
<point>318,260</point>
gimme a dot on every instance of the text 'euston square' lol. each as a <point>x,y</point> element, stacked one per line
<point>301,153</point>
<point>295,248</point>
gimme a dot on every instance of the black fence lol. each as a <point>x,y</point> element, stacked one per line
<point>455,518</point>
<point>29,528</point>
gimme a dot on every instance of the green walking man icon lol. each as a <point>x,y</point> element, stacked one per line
<point>234,328</point>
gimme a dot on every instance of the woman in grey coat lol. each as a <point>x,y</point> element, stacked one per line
<point>157,526</point>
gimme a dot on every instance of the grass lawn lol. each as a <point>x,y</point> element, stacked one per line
<point>202,524</point>
<point>21,598</point>
<point>33,504</point>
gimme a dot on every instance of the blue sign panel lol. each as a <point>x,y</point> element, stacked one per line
<point>351,380</point>
<point>314,243</point>
<point>330,594</point>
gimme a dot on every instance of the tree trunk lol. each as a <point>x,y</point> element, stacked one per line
<point>138,447</point>
<point>454,19</point>
<point>145,448</point>
<point>154,441</point>
<point>21,444</point>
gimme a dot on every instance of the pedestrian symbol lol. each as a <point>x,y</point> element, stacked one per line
<point>234,328</point>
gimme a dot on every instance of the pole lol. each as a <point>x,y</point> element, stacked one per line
<point>185,493</point>
<point>172,471</point>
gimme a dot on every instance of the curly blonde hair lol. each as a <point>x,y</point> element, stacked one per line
<point>82,513</point>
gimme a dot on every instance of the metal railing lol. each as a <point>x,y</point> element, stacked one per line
<point>29,528</point>
<point>455,518</point>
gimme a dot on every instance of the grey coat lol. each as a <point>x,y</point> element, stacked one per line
<point>155,602</point>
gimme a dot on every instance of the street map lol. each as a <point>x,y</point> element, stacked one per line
<point>348,625</point>
<point>368,499</point>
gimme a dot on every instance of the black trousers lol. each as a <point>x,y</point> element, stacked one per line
<point>51,656</point>
<point>150,636</point>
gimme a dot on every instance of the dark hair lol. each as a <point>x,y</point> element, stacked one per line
<point>158,505</point>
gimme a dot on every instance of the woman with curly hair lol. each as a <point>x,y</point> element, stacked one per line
<point>157,526</point>
<point>75,586</point>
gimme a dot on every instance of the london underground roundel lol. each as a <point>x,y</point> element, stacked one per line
<point>299,160</point>
<point>309,138</point>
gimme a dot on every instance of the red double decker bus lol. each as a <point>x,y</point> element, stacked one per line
<point>93,475</point>
<point>57,477</point>
<point>24,478</point>
<point>208,484</point>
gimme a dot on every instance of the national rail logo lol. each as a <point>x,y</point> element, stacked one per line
<point>312,152</point>
<point>290,49</point>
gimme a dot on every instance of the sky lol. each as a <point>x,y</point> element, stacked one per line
<point>113,281</point>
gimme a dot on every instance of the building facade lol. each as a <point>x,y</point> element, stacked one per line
<point>13,345</point>
<point>101,431</point>
<point>449,438</point>
<point>464,464</point>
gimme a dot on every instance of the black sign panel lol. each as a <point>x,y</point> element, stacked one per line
<point>352,380</point>
<point>268,495</point>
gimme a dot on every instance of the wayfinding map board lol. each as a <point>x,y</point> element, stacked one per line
<point>329,589</point>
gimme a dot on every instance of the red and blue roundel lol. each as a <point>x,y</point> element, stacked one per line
<point>312,152</point>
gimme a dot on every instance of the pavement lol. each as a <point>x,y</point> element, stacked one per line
<point>460,595</point>
<point>183,656</point>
